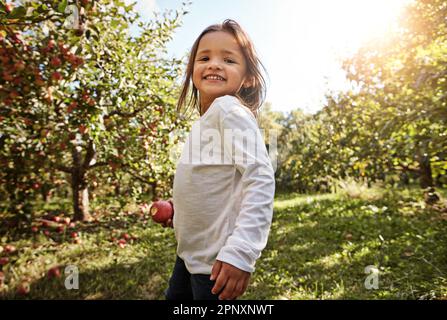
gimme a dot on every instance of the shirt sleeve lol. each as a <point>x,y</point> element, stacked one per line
<point>244,145</point>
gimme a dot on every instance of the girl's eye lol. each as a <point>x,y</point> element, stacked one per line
<point>204,59</point>
<point>230,61</point>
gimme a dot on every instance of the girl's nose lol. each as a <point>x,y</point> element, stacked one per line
<point>214,64</point>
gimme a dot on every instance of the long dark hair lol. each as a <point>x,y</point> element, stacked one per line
<point>252,96</point>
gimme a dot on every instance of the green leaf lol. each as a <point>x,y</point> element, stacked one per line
<point>42,8</point>
<point>114,23</point>
<point>17,13</point>
<point>61,7</point>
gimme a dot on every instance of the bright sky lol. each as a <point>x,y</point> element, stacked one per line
<point>300,42</point>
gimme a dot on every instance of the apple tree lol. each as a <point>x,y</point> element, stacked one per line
<point>93,98</point>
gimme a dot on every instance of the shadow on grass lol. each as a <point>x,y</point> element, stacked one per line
<point>321,249</point>
<point>141,273</point>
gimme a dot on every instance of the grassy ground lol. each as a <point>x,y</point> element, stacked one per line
<point>319,247</point>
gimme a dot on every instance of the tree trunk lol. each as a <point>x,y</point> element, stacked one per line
<point>79,189</point>
<point>117,190</point>
<point>426,178</point>
<point>425,174</point>
<point>80,198</point>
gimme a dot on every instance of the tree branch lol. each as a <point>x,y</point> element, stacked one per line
<point>98,164</point>
<point>146,181</point>
<point>63,168</point>
<point>89,155</point>
<point>32,21</point>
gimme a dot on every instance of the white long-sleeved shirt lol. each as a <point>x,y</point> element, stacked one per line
<point>224,187</point>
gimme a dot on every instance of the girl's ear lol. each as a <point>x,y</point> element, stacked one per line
<point>250,82</point>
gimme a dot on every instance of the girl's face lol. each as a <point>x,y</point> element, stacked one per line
<point>219,67</point>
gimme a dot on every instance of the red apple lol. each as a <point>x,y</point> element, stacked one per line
<point>55,62</point>
<point>82,129</point>
<point>7,76</point>
<point>122,243</point>
<point>91,102</point>
<point>8,7</point>
<point>14,94</point>
<point>126,236</point>
<point>51,44</point>
<point>23,288</point>
<point>161,211</point>
<point>39,81</point>
<point>34,229</point>
<point>72,106</point>
<point>56,76</point>
<point>7,101</point>
<point>62,47</point>
<point>9,248</point>
<point>54,272</point>
<point>16,38</point>
<point>4,261</point>
<point>74,235</point>
<point>19,65</point>
<point>85,97</point>
<point>78,61</point>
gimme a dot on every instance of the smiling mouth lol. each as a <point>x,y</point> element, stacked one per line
<point>214,77</point>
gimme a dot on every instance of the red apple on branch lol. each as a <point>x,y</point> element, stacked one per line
<point>161,211</point>
<point>56,76</point>
<point>55,62</point>
<point>51,44</point>
<point>8,7</point>
<point>19,65</point>
<point>72,106</point>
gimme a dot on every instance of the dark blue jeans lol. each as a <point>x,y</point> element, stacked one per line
<point>186,286</point>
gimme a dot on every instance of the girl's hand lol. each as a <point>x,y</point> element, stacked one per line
<point>232,280</point>
<point>169,223</point>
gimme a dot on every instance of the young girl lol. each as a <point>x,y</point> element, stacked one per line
<point>223,202</point>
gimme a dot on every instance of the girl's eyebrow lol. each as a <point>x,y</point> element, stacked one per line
<point>223,51</point>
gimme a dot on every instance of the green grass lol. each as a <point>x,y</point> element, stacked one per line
<point>318,248</point>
